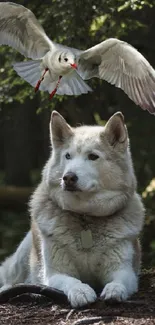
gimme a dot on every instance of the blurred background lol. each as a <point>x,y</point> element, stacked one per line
<point>24,116</point>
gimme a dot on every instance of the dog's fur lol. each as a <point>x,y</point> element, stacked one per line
<point>83,235</point>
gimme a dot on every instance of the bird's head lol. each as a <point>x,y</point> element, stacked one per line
<point>67,60</point>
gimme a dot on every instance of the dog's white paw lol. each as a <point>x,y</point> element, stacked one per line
<point>81,294</point>
<point>114,291</point>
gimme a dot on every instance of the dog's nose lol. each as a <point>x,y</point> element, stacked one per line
<point>70,179</point>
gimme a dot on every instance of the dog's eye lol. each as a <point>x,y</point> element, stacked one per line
<point>66,59</point>
<point>68,156</point>
<point>93,156</point>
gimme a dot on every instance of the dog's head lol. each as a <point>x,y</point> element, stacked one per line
<point>88,163</point>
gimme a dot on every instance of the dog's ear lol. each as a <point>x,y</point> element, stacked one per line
<point>115,131</point>
<point>60,131</point>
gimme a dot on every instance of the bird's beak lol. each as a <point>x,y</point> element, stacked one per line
<point>74,65</point>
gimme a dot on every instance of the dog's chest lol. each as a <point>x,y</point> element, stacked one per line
<point>82,234</point>
<point>83,245</point>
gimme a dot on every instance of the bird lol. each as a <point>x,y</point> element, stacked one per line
<point>60,69</point>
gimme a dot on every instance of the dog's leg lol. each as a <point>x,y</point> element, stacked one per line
<point>15,269</point>
<point>122,283</point>
<point>60,272</point>
<point>78,293</point>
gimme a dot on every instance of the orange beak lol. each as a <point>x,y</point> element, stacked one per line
<point>74,66</point>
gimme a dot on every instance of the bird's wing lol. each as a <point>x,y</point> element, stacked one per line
<point>20,29</point>
<point>72,84</point>
<point>123,66</point>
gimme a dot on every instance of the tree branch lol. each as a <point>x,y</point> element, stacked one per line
<point>17,290</point>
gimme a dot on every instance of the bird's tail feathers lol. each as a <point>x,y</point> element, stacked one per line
<point>29,71</point>
<point>73,84</point>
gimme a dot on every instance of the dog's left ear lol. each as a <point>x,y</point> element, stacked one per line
<point>116,131</point>
<point>60,131</point>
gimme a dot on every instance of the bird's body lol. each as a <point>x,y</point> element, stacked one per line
<point>57,68</point>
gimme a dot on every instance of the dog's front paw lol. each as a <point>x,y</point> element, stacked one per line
<point>114,291</point>
<point>81,294</point>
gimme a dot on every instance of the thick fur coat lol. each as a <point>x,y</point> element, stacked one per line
<point>85,217</point>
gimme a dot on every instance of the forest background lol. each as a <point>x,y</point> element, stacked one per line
<point>24,115</point>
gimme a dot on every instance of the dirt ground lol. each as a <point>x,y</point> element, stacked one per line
<point>33,309</point>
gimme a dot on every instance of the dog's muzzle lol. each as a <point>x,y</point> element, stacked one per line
<point>70,182</point>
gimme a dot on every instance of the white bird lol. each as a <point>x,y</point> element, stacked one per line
<point>61,69</point>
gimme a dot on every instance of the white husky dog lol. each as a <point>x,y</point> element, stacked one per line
<point>85,217</point>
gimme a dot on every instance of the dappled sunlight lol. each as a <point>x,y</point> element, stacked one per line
<point>150,189</point>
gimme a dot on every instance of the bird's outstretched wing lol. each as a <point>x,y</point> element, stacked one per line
<point>123,66</point>
<point>20,29</point>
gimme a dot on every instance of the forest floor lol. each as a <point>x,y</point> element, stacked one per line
<point>140,310</point>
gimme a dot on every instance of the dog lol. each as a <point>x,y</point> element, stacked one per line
<point>86,217</point>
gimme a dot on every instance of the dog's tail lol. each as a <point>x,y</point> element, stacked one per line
<point>15,269</point>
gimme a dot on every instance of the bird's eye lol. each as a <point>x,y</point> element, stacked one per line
<point>66,59</point>
<point>93,156</point>
<point>67,156</point>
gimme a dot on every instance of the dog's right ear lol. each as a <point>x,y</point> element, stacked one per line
<point>60,131</point>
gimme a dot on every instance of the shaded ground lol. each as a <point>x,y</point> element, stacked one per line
<point>31,309</point>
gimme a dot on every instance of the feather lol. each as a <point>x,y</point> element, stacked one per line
<point>20,29</point>
<point>125,67</point>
